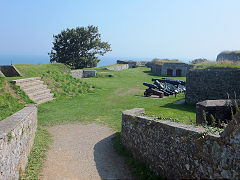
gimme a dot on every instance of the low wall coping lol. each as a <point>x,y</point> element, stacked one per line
<point>139,112</point>
<point>12,121</point>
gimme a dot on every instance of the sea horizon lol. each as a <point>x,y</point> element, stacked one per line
<point>45,59</point>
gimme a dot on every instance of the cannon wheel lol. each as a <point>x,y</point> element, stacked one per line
<point>146,94</point>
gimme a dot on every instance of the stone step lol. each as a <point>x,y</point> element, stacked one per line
<point>38,93</point>
<point>44,96</point>
<point>21,81</point>
<point>45,100</point>
<point>30,84</point>
<point>35,88</point>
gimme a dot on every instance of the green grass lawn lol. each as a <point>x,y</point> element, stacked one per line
<point>111,96</point>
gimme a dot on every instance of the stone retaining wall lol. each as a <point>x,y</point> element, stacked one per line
<point>220,109</point>
<point>211,84</point>
<point>84,73</point>
<point>17,134</point>
<point>118,67</point>
<point>180,151</point>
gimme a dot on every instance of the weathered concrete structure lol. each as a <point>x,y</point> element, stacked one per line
<point>132,64</point>
<point>170,69</point>
<point>181,151</point>
<point>17,134</point>
<point>220,109</point>
<point>84,73</point>
<point>118,67</point>
<point>211,84</point>
<point>9,71</point>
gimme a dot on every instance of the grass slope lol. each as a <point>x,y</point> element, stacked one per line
<point>12,98</point>
<point>57,77</point>
<point>111,96</point>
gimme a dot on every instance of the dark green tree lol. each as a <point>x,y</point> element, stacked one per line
<point>78,47</point>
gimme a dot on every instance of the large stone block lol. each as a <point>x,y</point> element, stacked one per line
<point>84,73</point>
<point>89,73</point>
<point>221,110</point>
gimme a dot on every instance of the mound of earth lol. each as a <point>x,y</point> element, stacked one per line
<point>229,56</point>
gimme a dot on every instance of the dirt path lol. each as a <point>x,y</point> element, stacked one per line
<point>83,152</point>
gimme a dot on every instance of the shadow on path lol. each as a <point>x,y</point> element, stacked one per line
<point>83,152</point>
<point>108,163</point>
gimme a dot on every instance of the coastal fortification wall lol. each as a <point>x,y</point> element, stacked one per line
<point>212,84</point>
<point>181,151</point>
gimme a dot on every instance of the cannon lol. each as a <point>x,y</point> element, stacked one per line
<point>152,86</point>
<point>152,90</point>
<point>170,81</point>
<point>161,88</point>
<point>173,85</point>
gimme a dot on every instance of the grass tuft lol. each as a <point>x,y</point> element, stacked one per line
<point>37,155</point>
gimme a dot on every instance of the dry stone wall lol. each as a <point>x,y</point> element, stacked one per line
<point>17,134</point>
<point>211,84</point>
<point>180,151</point>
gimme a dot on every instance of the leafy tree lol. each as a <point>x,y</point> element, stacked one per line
<point>78,47</point>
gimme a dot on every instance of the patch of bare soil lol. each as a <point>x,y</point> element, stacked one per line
<point>131,91</point>
<point>117,91</point>
<point>83,152</point>
<point>11,90</point>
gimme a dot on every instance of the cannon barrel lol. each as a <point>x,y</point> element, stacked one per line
<point>158,84</point>
<point>170,81</point>
<point>150,85</point>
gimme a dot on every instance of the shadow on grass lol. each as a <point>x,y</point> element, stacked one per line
<point>150,73</point>
<point>182,107</point>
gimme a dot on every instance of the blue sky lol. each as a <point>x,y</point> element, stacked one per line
<point>184,29</point>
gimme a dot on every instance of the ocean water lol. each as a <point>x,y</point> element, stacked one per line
<point>42,59</point>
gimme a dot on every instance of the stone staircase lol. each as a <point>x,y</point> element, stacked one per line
<point>35,89</point>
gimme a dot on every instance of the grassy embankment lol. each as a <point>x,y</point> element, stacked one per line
<point>219,64</point>
<point>12,98</point>
<point>107,97</point>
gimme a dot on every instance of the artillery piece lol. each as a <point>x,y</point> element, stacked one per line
<point>176,86</point>
<point>164,87</point>
<point>152,90</point>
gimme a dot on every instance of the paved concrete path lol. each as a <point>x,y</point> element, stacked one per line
<point>83,152</point>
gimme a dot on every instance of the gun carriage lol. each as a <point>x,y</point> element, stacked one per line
<point>164,87</point>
